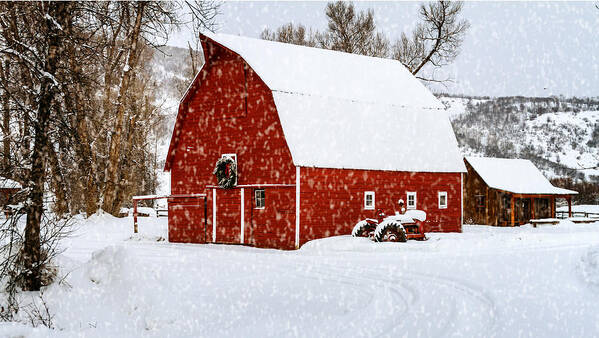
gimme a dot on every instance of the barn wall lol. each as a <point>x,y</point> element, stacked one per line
<point>332,200</point>
<point>473,186</point>
<point>216,120</point>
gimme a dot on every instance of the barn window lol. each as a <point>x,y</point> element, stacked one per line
<point>411,199</point>
<point>480,202</point>
<point>442,199</point>
<point>369,200</point>
<point>259,198</point>
<point>233,156</point>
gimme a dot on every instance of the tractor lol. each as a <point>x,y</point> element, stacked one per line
<point>393,228</point>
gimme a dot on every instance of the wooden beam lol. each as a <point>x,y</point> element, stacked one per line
<point>134,216</point>
<point>552,207</point>
<point>532,207</point>
<point>487,205</point>
<point>569,199</point>
<point>513,219</point>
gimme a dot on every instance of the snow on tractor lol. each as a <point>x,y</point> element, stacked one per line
<point>394,228</point>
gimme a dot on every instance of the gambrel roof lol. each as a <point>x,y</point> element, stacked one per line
<point>514,175</point>
<point>341,110</point>
<point>314,71</point>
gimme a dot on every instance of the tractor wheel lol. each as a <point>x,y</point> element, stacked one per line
<point>361,229</point>
<point>390,232</point>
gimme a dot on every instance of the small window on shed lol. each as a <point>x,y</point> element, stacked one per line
<point>411,200</point>
<point>442,199</point>
<point>259,198</point>
<point>369,200</point>
<point>480,202</point>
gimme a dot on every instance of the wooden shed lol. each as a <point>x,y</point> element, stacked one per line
<point>8,188</point>
<point>508,192</point>
<point>320,139</point>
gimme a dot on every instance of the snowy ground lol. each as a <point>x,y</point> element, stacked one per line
<point>487,281</point>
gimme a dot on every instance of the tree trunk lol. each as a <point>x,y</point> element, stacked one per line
<point>61,206</point>
<point>112,170</point>
<point>6,135</point>
<point>32,248</point>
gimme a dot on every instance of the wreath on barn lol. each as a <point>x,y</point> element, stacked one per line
<point>226,172</point>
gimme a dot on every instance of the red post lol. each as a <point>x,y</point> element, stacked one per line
<point>569,198</point>
<point>135,216</point>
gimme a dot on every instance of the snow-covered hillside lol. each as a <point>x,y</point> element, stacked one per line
<point>558,135</point>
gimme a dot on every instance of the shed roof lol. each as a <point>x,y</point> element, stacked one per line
<point>514,175</point>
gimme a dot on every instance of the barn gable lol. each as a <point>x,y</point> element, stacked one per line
<point>341,110</point>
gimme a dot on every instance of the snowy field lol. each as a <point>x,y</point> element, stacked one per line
<point>485,282</point>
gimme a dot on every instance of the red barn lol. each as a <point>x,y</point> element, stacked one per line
<point>321,140</point>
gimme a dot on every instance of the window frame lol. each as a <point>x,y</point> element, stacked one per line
<point>442,194</point>
<point>366,206</point>
<point>480,201</point>
<point>408,194</point>
<point>232,155</point>
<point>257,198</point>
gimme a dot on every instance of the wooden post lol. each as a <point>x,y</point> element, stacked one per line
<point>205,217</point>
<point>487,205</point>
<point>569,199</point>
<point>135,216</point>
<point>512,211</point>
<point>532,207</point>
<point>553,207</point>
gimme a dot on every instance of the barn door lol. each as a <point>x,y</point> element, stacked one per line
<point>186,220</point>
<point>272,223</point>
<point>228,214</point>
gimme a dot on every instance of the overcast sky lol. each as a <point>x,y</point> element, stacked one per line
<point>512,48</point>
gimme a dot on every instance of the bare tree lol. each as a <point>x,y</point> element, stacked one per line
<point>112,172</point>
<point>352,32</point>
<point>435,42</point>
<point>289,33</point>
<point>347,31</point>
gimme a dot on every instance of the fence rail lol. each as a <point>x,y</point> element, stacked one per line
<point>564,214</point>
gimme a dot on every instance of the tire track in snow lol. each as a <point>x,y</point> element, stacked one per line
<point>411,284</point>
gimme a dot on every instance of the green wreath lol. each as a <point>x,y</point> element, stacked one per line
<point>226,172</point>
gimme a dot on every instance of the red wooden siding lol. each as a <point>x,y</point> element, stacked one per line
<point>216,122</point>
<point>186,220</point>
<point>332,200</point>
<point>273,226</point>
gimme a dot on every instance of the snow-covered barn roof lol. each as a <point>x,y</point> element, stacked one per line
<point>304,70</point>
<point>341,110</point>
<point>514,175</point>
<point>338,133</point>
